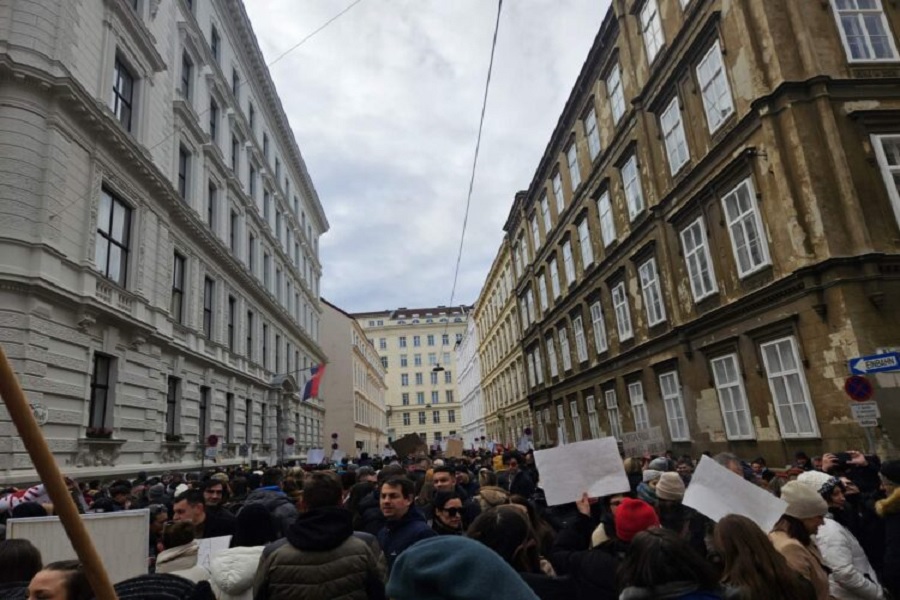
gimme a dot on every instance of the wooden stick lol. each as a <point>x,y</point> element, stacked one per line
<point>63,503</point>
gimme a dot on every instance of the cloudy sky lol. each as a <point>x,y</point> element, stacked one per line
<point>385,104</point>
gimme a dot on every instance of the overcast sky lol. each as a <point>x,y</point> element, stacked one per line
<point>385,104</point>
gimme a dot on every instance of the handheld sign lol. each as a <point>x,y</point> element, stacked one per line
<point>715,492</point>
<point>315,456</point>
<point>592,466</point>
<point>409,444</point>
<point>454,448</point>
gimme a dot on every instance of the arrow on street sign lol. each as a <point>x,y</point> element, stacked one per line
<point>876,363</point>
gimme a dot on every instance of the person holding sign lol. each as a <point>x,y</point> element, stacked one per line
<point>792,534</point>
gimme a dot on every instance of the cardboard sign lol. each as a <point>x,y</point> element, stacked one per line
<point>410,443</point>
<point>209,548</point>
<point>454,449</point>
<point>716,491</point>
<point>645,441</point>
<point>592,466</point>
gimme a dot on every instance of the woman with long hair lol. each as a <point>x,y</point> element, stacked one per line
<point>543,532</point>
<point>792,535</point>
<point>752,567</point>
<point>660,564</point>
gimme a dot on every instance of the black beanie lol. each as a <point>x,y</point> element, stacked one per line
<point>890,470</point>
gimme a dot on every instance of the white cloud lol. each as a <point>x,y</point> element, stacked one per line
<point>385,104</point>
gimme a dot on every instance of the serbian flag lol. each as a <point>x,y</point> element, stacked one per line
<point>311,390</point>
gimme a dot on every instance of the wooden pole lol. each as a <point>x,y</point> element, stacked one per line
<point>44,463</point>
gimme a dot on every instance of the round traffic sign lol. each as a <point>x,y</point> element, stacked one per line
<point>858,388</point>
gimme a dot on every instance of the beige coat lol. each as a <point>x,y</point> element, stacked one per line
<point>805,560</point>
<point>182,561</point>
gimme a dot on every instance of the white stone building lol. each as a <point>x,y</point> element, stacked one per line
<point>469,382</point>
<point>159,280</point>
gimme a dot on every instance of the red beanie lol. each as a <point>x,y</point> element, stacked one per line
<point>632,517</point>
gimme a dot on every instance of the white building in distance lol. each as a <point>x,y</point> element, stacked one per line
<point>469,382</point>
<point>159,234</point>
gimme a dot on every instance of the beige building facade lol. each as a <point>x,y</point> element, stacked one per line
<point>354,387</point>
<point>713,230</point>
<point>416,347</point>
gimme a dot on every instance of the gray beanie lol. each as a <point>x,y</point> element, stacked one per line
<point>156,493</point>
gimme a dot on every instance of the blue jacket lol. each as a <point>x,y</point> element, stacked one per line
<point>397,536</point>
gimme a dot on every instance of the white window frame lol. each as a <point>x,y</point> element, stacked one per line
<point>733,392</point>
<point>697,259</point>
<point>672,126</point>
<point>564,351</point>
<point>580,345</point>
<point>592,133</point>
<point>615,92</point>
<point>554,279</point>
<point>545,212</point>
<point>574,169</point>
<point>607,221</point>
<point>535,233</point>
<point>598,324</point>
<point>556,182</point>
<point>538,366</point>
<point>634,190</point>
<point>551,356</point>
<point>839,13</point>
<point>747,220</point>
<point>561,423</point>
<point>612,413</point>
<point>546,422</point>
<point>786,404</point>
<point>889,172</point>
<point>652,292</point>
<point>714,88</point>
<point>593,420</point>
<point>568,263</point>
<point>638,405</point>
<point>651,30</point>
<point>542,291</point>
<point>676,416</point>
<point>623,312</point>
<point>576,419</point>
<point>530,366</point>
<point>584,242</point>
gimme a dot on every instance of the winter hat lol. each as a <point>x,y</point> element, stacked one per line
<point>160,586</point>
<point>670,487</point>
<point>650,475</point>
<point>156,493</point>
<point>429,570</point>
<point>180,489</point>
<point>660,463</point>
<point>890,470</point>
<point>802,501</point>
<point>632,517</point>
<point>822,483</point>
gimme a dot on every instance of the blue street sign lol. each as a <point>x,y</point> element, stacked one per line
<point>876,363</point>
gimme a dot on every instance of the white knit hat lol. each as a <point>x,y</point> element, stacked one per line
<point>670,486</point>
<point>803,502</point>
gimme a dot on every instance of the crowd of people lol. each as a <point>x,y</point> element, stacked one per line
<point>470,528</point>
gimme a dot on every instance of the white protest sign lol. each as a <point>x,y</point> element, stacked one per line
<point>524,444</point>
<point>315,456</point>
<point>715,492</point>
<point>337,455</point>
<point>209,548</point>
<point>644,441</point>
<point>592,466</point>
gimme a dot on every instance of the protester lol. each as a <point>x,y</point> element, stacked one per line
<point>792,534</point>
<point>675,516</point>
<point>404,524</point>
<point>443,479</point>
<point>514,479</point>
<point>752,568</point>
<point>646,490</point>
<point>661,565</point>
<point>159,515</point>
<point>20,561</point>
<point>447,510</point>
<point>189,506</point>
<point>889,510</point>
<point>271,495</point>
<point>179,556</point>
<point>321,556</point>
<point>62,580</point>
<point>454,568</point>
<point>371,520</point>
<point>231,572</point>
<point>632,517</point>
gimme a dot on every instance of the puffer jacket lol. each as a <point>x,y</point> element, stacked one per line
<point>182,561</point>
<point>322,560</point>
<point>852,577</point>
<point>231,572</point>
<point>277,503</point>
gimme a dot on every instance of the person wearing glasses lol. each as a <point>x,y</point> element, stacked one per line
<point>447,513</point>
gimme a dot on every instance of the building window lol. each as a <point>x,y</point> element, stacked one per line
<point>615,92</point>
<point>732,398</point>
<point>436,417</point>
<point>382,343</point>
<point>574,171</point>
<point>673,133</point>
<point>266,147</point>
<point>656,309</point>
<point>417,360</point>
<point>651,29</point>
<point>434,378</point>
<point>612,413</point>
<point>864,30</point>
<point>204,413</point>
<point>422,417</point>
<point>545,212</point>
<point>599,327</point>
<point>172,395</point>
<point>607,223</point>
<point>623,312</point>
<point>208,291</point>
<point>558,193</point>
<point>554,279</point>
<point>535,234</point>
<point>177,308</point>
<point>751,252</point>
<point>187,74</point>
<point>404,361</point>
<point>576,420</point>
<point>251,181</point>
<point>445,339</point>
<point>789,390</point>
<point>714,87</point>
<point>232,317</point>
<point>251,116</point>
<point>430,340</point>
<point>580,345</point>
<point>887,152</point>
<point>405,398</point>
<point>384,362</point>
<point>568,262</point>
<point>235,154</point>
<point>277,353</point>
<point>236,85</point>
<point>584,241</point>
<point>213,121</point>
<point>698,260</point>
<point>564,351</point>
<point>263,423</point>
<point>232,232</point>
<point>229,418</point>
<point>184,169</point>
<point>98,410</point>
<point>674,404</point>
<point>432,359</point>
<point>448,376</point>
<point>638,405</point>
<point>406,419</point>
<point>551,357</point>
<point>404,379</point>
<point>113,242</point>
<point>265,345</point>
<point>592,133</point>
<point>420,380</point>
<point>451,417</point>
<point>123,94</point>
<point>634,192</point>
<point>417,341</point>
<point>267,277</point>
<point>402,341</point>
<point>214,43</point>
<point>251,252</point>
<point>420,397</point>
<point>250,326</point>
<point>212,192</point>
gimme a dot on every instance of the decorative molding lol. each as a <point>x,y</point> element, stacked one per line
<point>93,452</point>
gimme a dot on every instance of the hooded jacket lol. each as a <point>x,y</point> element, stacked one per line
<point>231,572</point>
<point>182,561</point>
<point>276,502</point>
<point>852,577</point>
<point>322,560</point>
<point>398,535</point>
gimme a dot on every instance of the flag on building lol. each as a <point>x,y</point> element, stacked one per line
<point>311,390</point>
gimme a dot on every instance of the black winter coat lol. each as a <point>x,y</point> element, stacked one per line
<point>593,571</point>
